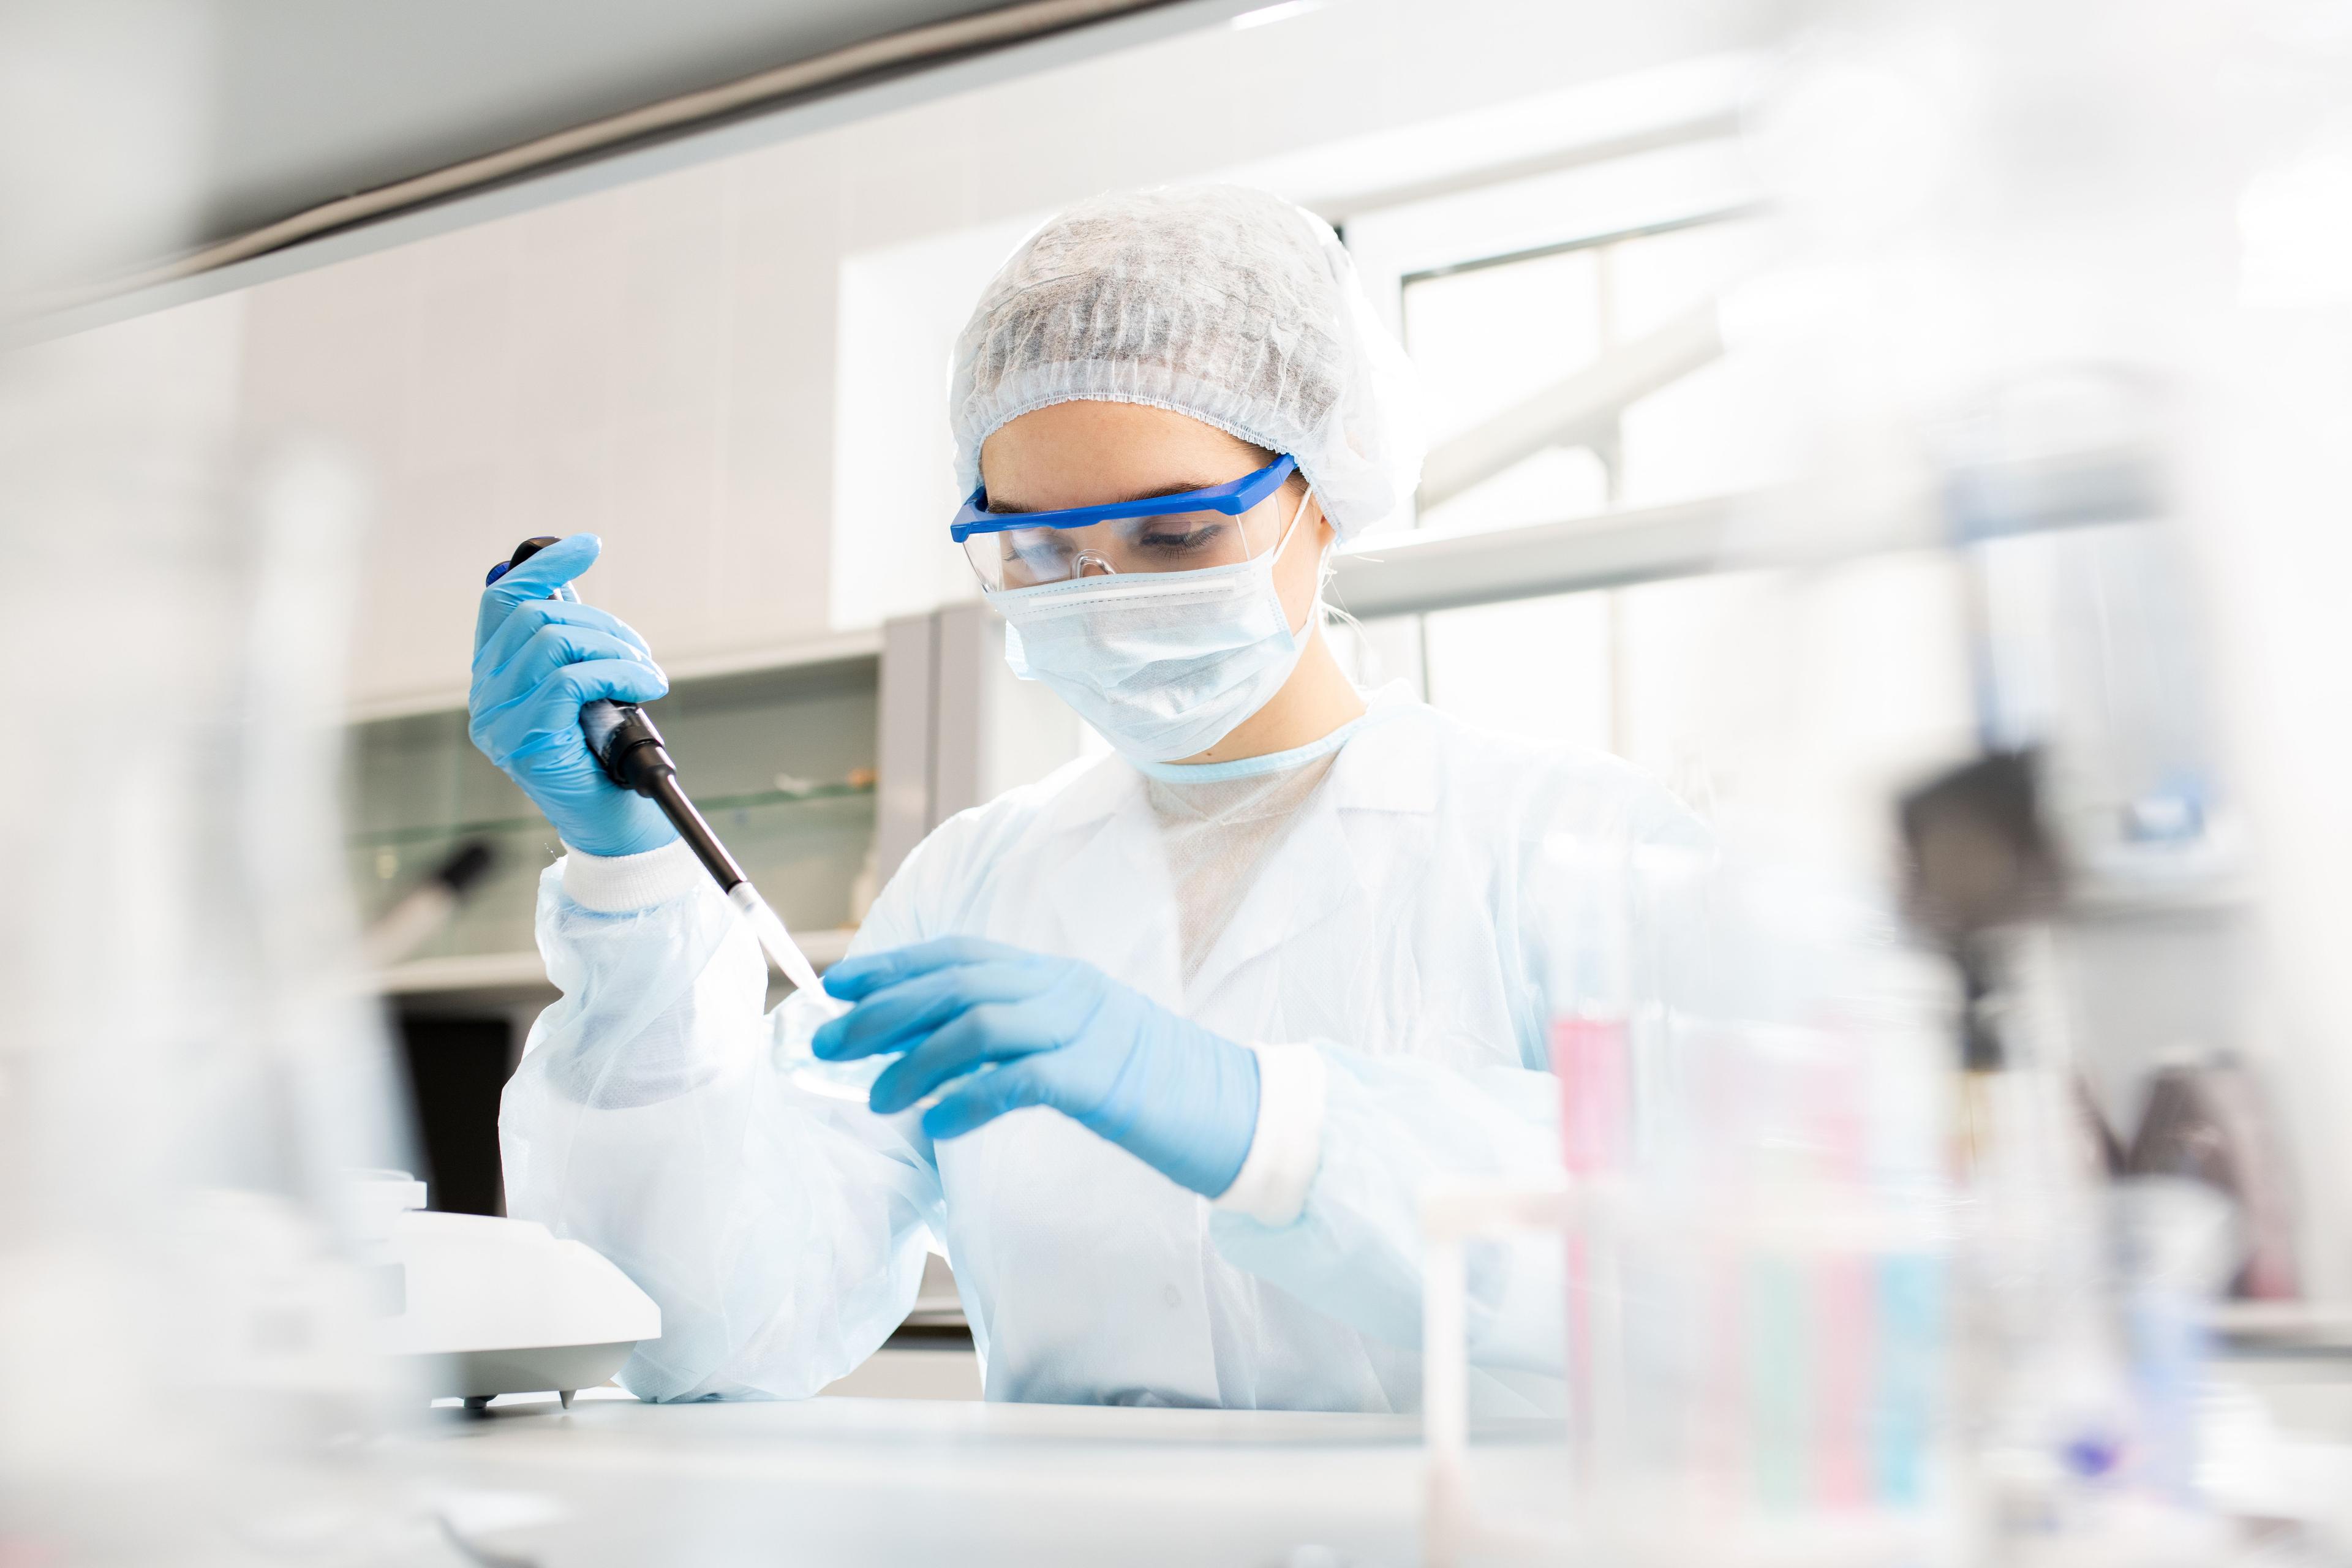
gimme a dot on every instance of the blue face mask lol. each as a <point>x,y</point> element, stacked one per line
<point>1165,664</point>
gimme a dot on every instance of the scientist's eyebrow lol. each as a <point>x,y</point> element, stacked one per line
<point>1013,508</point>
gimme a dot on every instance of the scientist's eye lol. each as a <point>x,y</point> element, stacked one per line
<point>1179,539</point>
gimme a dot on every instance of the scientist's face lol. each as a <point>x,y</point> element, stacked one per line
<point>1090,454</point>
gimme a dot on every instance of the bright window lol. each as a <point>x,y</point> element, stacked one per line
<point>1583,374</point>
<point>1809,695</point>
<point>1613,342</point>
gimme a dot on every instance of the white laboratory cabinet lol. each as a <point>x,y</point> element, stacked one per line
<point>819,768</point>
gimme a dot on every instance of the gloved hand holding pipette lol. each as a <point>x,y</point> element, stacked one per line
<point>553,703</point>
<point>1059,1033</point>
<point>538,655</point>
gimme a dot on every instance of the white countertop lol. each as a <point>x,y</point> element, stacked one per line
<point>857,1481</point>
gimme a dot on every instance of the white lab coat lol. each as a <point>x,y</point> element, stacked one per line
<point>1407,928</point>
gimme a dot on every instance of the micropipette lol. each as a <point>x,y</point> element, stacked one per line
<point>631,751</point>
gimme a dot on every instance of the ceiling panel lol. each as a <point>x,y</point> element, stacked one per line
<point>317,99</point>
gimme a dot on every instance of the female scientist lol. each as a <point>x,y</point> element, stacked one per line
<point>1196,1022</point>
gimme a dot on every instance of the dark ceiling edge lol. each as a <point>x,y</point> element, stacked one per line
<point>839,87</point>
<point>778,85</point>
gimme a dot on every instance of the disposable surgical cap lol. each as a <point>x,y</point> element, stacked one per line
<point>1227,304</point>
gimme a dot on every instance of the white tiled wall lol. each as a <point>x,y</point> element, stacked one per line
<point>658,363</point>
<point>653,363</point>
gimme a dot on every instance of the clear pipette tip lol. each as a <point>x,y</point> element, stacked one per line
<point>782,950</point>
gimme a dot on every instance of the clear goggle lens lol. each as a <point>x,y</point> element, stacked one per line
<point>1172,542</point>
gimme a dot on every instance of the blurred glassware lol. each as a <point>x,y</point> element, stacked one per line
<point>2209,1122</point>
<point>1758,1233</point>
<point>190,1065</point>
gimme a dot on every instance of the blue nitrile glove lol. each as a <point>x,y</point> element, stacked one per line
<point>1061,1033</point>
<point>536,661</point>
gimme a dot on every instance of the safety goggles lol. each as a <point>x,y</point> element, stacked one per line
<point>1220,525</point>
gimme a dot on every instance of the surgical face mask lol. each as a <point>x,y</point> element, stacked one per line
<point>1165,664</point>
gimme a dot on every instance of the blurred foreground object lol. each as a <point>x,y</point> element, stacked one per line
<point>2034,308</point>
<point>420,913</point>
<point>1979,864</point>
<point>1760,1234</point>
<point>2207,1122</point>
<point>188,1064</point>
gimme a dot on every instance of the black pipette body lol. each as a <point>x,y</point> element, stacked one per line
<point>630,750</point>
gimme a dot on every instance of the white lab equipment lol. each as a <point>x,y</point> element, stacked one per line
<point>480,1306</point>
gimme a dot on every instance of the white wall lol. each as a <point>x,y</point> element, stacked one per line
<point>901,308</point>
<point>658,363</point>
<point>643,364</point>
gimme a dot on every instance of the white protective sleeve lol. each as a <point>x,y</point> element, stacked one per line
<point>1390,1126</point>
<point>781,1234</point>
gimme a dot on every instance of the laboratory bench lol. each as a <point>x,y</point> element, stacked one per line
<point>893,1481</point>
<point>856,1481</point>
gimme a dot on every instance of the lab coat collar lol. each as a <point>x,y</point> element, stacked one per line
<point>1391,764</point>
<point>1280,905</point>
<point>1094,794</point>
<point>1388,765</point>
<point>1107,885</point>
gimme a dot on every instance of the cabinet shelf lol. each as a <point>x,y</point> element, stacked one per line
<point>711,806</point>
<point>801,848</point>
<point>781,745</point>
<point>522,977</point>
<point>853,649</point>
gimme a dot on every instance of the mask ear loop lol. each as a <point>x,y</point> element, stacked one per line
<point>1326,572</point>
<point>1316,607</point>
<point>1292,526</point>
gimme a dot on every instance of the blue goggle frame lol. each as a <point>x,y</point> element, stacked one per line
<point>1232,498</point>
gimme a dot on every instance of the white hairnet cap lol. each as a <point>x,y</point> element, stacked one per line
<point>1224,304</point>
